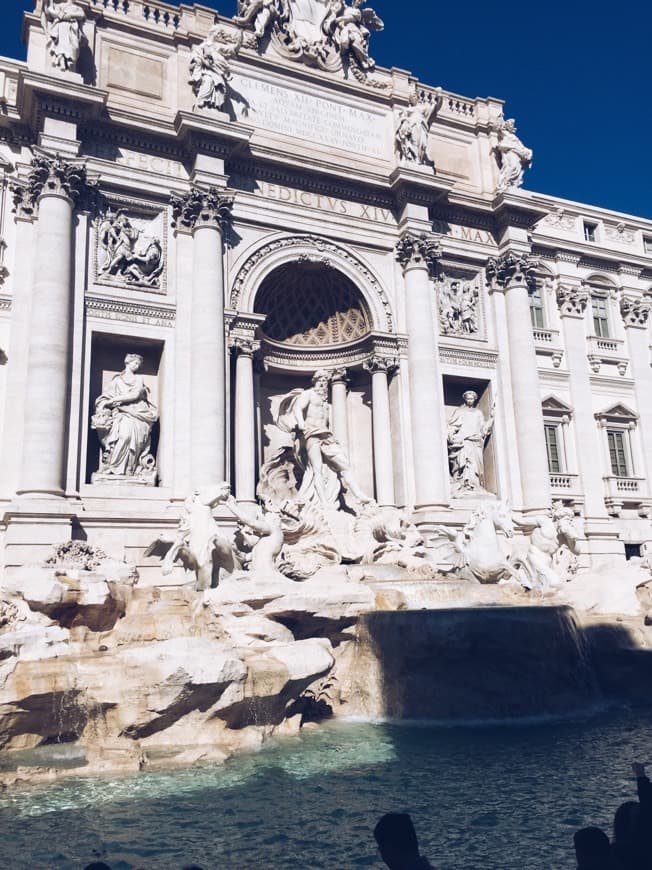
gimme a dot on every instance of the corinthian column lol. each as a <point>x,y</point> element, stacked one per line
<point>417,256</point>
<point>379,367</point>
<point>339,420</point>
<point>513,274</point>
<point>53,186</point>
<point>204,213</point>
<point>245,420</point>
<point>635,312</point>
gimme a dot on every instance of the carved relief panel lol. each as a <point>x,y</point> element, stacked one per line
<point>459,297</point>
<point>130,248</point>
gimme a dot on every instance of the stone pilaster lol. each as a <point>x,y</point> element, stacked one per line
<point>635,311</point>
<point>418,256</point>
<point>572,299</point>
<point>512,273</point>
<point>380,368</point>
<point>52,189</point>
<point>245,418</point>
<point>204,213</point>
<point>339,417</point>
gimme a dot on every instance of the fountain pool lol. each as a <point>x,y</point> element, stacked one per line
<point>482,796</point>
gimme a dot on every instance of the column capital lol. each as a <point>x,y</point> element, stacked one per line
<point>511,269</point>
<point>635,311</point>
<point>379,363</point>
<point>572,299</point>
<point>339,376</point>
<point>50,175</point>
<point>199,207</point>
<point>244,346</point>
<point>418,252</point>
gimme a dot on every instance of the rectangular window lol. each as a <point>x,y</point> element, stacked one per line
<point>647,244</point>
<point>600,316</point>
<point>536,309</point>
<point>589,231</point>
<point>553,448</point>
<point>618,453</point>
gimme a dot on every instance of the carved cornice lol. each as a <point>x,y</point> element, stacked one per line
<point>512,270</point>
<point>379,363</point>
<point>457,356</point>
<point>201,208</point>
<point>117,309</point>
<point>572,299</point>
<point>418,252</point>
<point>51,176</point>
<point>635,312</point>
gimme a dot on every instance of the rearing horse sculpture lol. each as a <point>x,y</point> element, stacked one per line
<point>478,554</point>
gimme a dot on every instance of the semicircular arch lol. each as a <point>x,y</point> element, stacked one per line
<point>307,248</point>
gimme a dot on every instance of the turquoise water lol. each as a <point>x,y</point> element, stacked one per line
<point>481,797</point>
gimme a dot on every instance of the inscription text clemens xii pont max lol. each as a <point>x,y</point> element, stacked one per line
<point>297,114</point>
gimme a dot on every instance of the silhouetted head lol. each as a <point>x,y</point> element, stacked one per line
<point>626,821</point>
<point>397,840</point>
<point>591,847</point>
<point>97,865</point>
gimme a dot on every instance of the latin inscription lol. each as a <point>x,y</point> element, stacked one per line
<point>135,159</point>
<point>320,201</point>
<point>467,234</point>
<point>307,116</point>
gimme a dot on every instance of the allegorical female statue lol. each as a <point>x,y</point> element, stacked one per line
<point>123,420</point>
<point>63,22</point>
<point>210,69</point>
<point>468,429</point>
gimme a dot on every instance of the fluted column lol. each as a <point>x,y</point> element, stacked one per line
<point>339,418</point>
<point>204,213</point>
<point>379,367</point>
<point>245,419</point>
<point>417,256</point>
<point>513,272</point>
<point>53,186</point>
<point>572,299</point>
<point>635,312</point>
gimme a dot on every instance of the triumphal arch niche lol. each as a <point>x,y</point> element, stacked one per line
<point>308,307</point>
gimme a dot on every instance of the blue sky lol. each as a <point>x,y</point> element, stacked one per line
<point>576,76</point>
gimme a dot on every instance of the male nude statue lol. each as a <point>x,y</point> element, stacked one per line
<point>310,413</point>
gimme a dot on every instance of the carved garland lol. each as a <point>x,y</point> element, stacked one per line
<point>322,247</point>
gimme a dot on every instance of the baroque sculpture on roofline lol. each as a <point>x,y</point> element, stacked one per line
<point>512,156</point>
<point>210,69</point>
<point>413,127</point>
<point>320,32</point>
<point>123,419</point>
<point>63,21</point>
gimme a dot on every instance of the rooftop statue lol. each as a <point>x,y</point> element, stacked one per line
<point>123,420</point>
<point>350,27</point>
<point>468,429</point>
<point>63,21</point>
<point>258,13</point>
<point>210,69</point>
<point>315,457</point>
<point>413,127</point>
<point>512,156</point>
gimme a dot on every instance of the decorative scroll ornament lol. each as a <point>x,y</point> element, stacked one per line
<point>62,22</point>
<point>210,69</point>
<point>201,208</point>
<point>572,299</point>
<point>511,154</point>
<point>512,269</point>
<point>51,175</point>
<point>418,251</point>
<point>324,33</point>
<point>635,312</point>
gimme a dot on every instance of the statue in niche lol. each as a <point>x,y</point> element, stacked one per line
<point>199,544</point>
<point>63,21</point>
<point>458,307</point>
<point>468,429</point>
<point>475,551</point>
<point>412,129</point>
<point>551,558</point>
<point>512,155</point>
<point>258,13</point>
<point>123,257</point>
<point>210,69</point>
<point>323,466</point>
<point>350,28</point>
<point>123,420</point>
